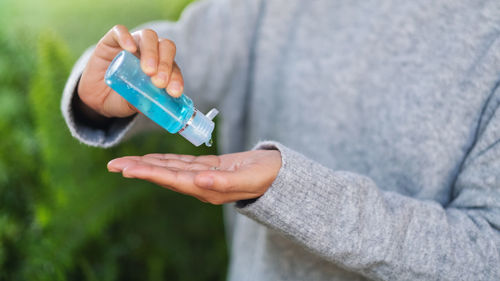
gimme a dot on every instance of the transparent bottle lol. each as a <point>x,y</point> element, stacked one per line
<point>176,115</point>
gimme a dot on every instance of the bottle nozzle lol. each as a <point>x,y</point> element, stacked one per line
<point>199,128</point>
<point>212,113</point>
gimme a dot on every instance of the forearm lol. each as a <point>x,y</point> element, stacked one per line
<point>346,219</point>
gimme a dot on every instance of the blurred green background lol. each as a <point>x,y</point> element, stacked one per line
<point>62,215</point>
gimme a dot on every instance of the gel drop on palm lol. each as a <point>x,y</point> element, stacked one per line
<point>176,115</point>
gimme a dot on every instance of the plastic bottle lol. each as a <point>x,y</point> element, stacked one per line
<point>176,115</point>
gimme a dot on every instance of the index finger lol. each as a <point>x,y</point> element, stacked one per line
<point>212,160</point>
<point>181,181</point>
<point>119,37</point>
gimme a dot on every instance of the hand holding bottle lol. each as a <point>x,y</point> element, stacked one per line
<point>157,61</point>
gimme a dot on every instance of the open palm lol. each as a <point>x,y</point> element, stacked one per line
<point>211,178</point>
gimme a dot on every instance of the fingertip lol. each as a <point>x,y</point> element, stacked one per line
<point>149,66</point>
<point>160,80</point>
<point>130,46</point>
<point>112,167</point>
<point>124,38</point>
<point>120,164</point>
<point>175,89</point>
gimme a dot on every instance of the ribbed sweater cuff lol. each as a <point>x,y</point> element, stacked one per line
<point>84,130</point>
<point>294,194</point>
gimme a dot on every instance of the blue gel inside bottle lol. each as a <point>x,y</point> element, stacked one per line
<point>176,115</point>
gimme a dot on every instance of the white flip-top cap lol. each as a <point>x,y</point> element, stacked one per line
<point>199,128</point>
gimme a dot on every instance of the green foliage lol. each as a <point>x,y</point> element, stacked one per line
<point>82,22</point>
<point>63,216</point>
<point>18,154</point>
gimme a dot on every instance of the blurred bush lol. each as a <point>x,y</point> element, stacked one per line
<point>82,22</point>
<point>62,215</point>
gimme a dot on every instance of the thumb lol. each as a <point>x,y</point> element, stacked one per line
<point>243,180</point>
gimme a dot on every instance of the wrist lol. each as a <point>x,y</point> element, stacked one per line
<point>87,115</point>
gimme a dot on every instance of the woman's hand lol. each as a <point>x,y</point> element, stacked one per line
<point>214,179</point>
<point>157,60</point>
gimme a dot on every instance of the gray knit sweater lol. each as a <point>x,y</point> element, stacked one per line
<point>386,116</point>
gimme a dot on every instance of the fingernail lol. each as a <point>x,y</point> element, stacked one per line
<point>174,88</point>
<point>159,80</point>
<point>111,167</point>
<point>115,166</point>
<point>205,181</point>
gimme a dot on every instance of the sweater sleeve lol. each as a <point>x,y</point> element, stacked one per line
<point>346,219</point>
<point>213,40</point>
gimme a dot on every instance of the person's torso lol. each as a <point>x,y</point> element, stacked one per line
<point>391,90</point>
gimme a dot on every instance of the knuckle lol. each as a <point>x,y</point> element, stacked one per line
<point>165,65</point>
<point>100,44</point>
<point>119,30</point>
<point>117,27</point>
<point>226,186</point>
<point>168,44</point>
<point>149,32</point>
